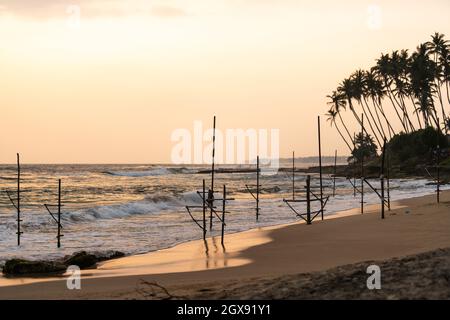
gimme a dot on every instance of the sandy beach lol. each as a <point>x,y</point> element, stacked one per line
<point>248,259</point>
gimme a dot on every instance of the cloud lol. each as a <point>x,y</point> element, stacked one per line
<point>167,12</point>
<point>47,9</point>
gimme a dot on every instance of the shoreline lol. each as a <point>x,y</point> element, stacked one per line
<point>328,214</point>
<point>247,253</point>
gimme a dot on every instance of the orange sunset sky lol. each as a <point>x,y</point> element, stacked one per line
<point>111,86</point>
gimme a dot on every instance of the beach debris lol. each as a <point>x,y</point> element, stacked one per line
<point>156,291</point>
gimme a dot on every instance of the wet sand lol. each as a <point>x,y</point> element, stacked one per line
<point>414,226</point>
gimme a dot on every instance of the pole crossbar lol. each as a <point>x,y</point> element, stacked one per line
<point>188,208</point>
<point>51,214</point>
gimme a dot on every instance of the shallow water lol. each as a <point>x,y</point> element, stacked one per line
<point>141,208</point>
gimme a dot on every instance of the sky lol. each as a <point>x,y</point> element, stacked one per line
<point>108,81</point>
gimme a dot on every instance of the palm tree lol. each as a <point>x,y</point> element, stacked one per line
<point>437,48</point>
<point>383,69</point>
<point>422,72</point>
<point>331,116</point>
<point>444,61</point>
<point>346,89</point>
<point>338,104</point>
<point>377,93</point>
<point>359,87</point>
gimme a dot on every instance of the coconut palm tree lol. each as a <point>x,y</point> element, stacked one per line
<point>347,90</point>
<point>383,69</point>
<point>338,103</point>
<point>422,72</point>
<point>444,61</point>
<point>359,87</point>
<point>331,116</point>
<point>377,93</point>
<point>437,48</point>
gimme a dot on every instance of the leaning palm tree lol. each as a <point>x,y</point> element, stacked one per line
<point>377,93</point>
<point>359,87</point>
<point>444,61</point>
<point>331,116</point>
<point>337,103</point>
<point>383,69</point>
<point>437,48</point>
<point>422,72</point>
<point>347,90</point>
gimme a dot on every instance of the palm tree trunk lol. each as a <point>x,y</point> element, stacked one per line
<point>417,113</point>
<point>374,121</point>
<point>380,124</point>
<point>448,96</point>
<point>406,113</point>
<point>342,136</point>
<point>390,129</point>
<point>442,105</point>
<point>357,118</point>
<point>370,124</point>
<point>345,127</point>
<point>395,108</point>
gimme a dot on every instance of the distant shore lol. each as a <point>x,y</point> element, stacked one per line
<point>414,226</point>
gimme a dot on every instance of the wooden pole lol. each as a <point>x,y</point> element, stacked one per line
<point>18,200</point>
<point>438,159</point>
<point>223,212</point>
<point>320,167</point>
<point>257,187</point>
<point>59,214</point>
<point>382,179</point>
<point>334,177</point>
<point>308,199</point>
<point>354,167</point>
<point>388,178</point>
<point>204,209</point>
<point>212,175</point>
<point>293,175</point>
<point>362,164</point>
<point>382,196</point>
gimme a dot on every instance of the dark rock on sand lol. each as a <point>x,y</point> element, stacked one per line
<point>87,260</point>
<point>108,255</point>
<point>22,267</point>
<point>81,259</point>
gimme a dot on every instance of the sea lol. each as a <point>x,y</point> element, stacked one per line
<point>142,208</point>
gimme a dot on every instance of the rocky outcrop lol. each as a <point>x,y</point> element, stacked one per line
<point>23,267</point>
<point>82,259</point>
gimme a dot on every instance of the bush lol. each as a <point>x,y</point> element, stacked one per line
<point>416,147</point>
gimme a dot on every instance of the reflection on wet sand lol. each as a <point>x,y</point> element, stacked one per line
<point>186,257</point>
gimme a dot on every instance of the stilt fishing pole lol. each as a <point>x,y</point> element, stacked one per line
<point>382,179</point>
<point>320,167</point>
<point>211,197</point>
<point>362,163</point>
<point>16,202</point>
<point>58,219</point>
<point>334,173</point>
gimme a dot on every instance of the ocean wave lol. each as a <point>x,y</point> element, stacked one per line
<point>152,204</point>
<point>159,171</point>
